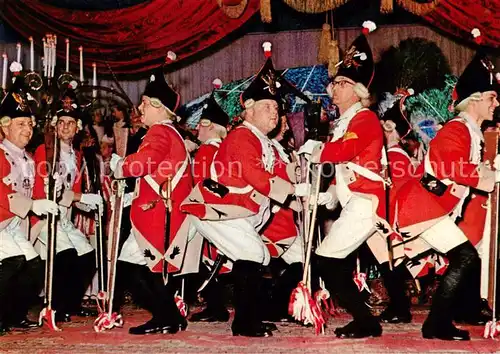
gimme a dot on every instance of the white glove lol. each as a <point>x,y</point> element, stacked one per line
<point>127,199</point>
<point>44,206</point>
<point>309,146</point>
<point>190,146</point>
<point>115,158</point>
<point>302,189</point>
<point>92,200</point>
<point>496,162</point>
<point>324,198</point>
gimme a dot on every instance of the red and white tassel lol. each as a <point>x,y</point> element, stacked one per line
<point>217,83</point>
<point>368,27</point>
<point>181,305</point>
<point>267,49</point>
<point>491,329</point>
<point>476,34</point>
<point>171,57</point>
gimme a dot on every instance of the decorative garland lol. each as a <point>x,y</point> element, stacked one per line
<point>314,6</point>
<point>419,9</point>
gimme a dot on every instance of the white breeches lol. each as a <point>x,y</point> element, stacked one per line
<point>294,253</point>
<point>353,227</point>
<point>238,239</point>
<point>444,236</point>
<point>67,237</point>
<point>14,240</point>
<point>131,252</point>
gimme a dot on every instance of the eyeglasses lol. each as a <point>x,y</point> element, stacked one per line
<point>205,122</point>
<point>341,83</point>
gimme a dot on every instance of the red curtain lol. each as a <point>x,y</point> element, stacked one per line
<point>459,17</point>
<point>132,40</point>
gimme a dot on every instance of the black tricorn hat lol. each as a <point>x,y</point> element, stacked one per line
<point>357,63</point>
<point>15,103</point>
<point>214,113</point>
<point>158,88</point>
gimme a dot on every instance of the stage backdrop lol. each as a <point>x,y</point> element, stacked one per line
<point>244,56</point>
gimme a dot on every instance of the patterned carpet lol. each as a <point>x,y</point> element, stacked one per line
<point>79,337</point>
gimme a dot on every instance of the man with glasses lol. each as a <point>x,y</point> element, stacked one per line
<point>356,151</point>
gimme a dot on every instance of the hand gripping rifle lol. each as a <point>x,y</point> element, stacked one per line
<point>108,319</point>
<point>47,314</point>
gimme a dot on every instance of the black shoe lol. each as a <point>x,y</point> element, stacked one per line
<point>4,329</point>
<point>25,324</point>
<point>447,332</point>
<point>63,317</point>
<point>478,320</point>
<point>354,330</point>
<point>390,315</point>
<point>153,327</point>
<point>251,331</point>
<point>268,326</point>
<point>210,315</point>
<point>85,312</point>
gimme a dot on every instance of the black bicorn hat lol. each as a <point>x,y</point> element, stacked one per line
<point>68,104</point>
<point>15,103</point>
<point>395,117</point>
<point>265,85</point>
<point>357,63</point>
<point>212,110</point>
<point>159,88</point>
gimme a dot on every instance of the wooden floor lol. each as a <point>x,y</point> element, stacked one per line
<point>79,337</point>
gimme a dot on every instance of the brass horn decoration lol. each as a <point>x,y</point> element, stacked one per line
<point>33,80</point>
<point>65,79</point>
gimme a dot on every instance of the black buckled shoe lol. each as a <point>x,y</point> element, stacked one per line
<point>85,312</point>
<point>210,315</point>
<point>155,327</point>
<point>63,317</point>
<point>25,324</point>
<point>4,329</point>
<point>245,330</point>
<point>390,315</point>
<point>447,332</point>
<point>355,330</point>
<point>270,327</point>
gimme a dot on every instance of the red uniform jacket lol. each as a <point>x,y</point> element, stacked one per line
<point>202,161</point>
<point>450,157</point>
<point>41,172</point>
<point>238,166</point>
<point>12,203</point>
<point>161,154</point>
<point>362,145</point>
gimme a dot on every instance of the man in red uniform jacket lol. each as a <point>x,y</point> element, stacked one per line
<point>356,151</point>
<point>73,249</point>
<point>161,155</point>
<point>233,205</point>
<point>452,168</point>
<point>21,270</point>
<point>211,131</point>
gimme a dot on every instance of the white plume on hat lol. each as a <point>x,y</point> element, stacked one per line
<point>370,26</point>
<point>217,83</point>
<point>16,67</point>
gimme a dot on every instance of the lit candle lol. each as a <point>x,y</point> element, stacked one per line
<point>4,72</point>
<point>54,57</point>
<point>32,54</point>
<point>18,45</point>
<point>94,79</point>
<point>45,57</point>
<point>81,63</point>
<point>67,54</point>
